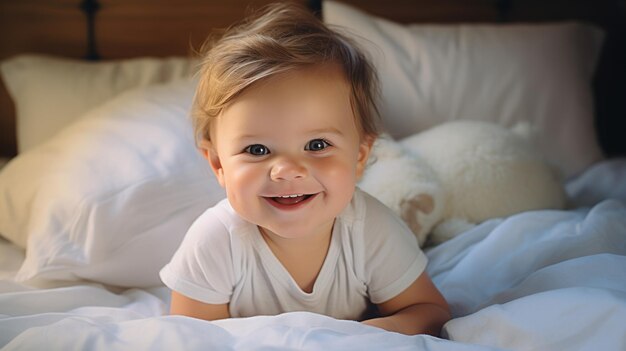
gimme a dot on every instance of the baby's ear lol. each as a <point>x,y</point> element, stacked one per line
<point>208,150</point>
<point>364,152</point>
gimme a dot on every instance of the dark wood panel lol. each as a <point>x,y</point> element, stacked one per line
<point>51,27</point>
<point>8,142</point>
<point>597,11</point>
<point>164,27</point>
<point>439,11</point>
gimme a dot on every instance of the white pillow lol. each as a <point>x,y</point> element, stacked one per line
<point>50,92</point>
<point>110,197</point>
<point>496,73</point>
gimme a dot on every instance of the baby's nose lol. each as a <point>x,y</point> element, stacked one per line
<point>288,169</point>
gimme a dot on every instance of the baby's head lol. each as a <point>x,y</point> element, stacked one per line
<point>282,38</point>
<point>285,114</point>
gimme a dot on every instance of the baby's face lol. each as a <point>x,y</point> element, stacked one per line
<point>289,153</point>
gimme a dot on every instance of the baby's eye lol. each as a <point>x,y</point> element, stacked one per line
<point>317,145</point>
<point>257,150</point>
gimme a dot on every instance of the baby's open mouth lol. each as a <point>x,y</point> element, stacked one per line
<point>291,199</point>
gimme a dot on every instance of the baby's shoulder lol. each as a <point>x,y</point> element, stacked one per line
<point>369,209</point>
<point>361,205</point>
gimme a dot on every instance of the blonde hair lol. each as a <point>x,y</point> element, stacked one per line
<point>283,37</point>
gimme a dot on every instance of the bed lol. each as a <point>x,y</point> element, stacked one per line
<point>100,177</point>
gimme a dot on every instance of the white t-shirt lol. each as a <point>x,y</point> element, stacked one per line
<point>373,256</point>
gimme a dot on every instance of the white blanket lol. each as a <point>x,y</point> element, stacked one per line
<point>543,280</point>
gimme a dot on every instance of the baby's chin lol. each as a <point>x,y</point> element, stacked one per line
<point>297,230</point>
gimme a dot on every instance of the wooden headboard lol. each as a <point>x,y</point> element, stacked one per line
<point>115,29</point>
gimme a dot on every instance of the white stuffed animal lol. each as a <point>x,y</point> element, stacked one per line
<point>447,179</point>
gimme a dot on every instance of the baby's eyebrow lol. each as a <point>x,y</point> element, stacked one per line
<point>246,137</point>
<point>329,130</point>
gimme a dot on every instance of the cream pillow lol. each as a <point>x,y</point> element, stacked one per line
<point>110,197</point>
<point>51,92</point>
<point>499,73</point>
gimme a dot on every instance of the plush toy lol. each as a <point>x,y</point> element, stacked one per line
<point>447,179</point>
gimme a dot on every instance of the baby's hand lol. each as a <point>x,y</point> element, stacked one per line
<point>419,309</point>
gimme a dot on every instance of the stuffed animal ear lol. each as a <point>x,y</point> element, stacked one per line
<point>410,209</point>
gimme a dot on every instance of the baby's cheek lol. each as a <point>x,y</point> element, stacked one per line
<point>242,179</point>
<point>245,172</point>
<point>338,174</point>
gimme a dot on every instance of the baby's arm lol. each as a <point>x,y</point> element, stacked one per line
<point>419,309</point>
<point>183,305</point>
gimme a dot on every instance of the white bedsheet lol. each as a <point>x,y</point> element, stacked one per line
<point>543,280</point>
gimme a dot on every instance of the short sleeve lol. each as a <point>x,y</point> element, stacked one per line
<point>202,267</point>
<point>393,258</point>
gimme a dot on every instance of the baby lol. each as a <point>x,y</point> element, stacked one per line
<point>284,114</point>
